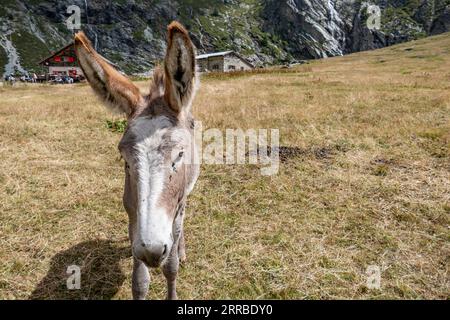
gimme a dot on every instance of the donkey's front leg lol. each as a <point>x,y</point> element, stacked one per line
<point>182,247</point>
<point>141,277</point>
<point>140,281</point>
<point>170,270</point>
<point>171,266</point>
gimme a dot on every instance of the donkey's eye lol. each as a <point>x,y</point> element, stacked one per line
<point>177,161</point>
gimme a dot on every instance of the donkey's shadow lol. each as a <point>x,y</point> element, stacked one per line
<point>100,274</point>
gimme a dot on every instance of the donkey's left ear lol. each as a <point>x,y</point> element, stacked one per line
<point>115,90</point>
<point>179,67</point>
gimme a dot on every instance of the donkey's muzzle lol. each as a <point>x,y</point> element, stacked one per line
<point>152,254</point>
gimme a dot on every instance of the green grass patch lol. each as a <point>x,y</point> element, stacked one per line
<point>3,60</point>
<point>30,49</point>
<point>116,126</point>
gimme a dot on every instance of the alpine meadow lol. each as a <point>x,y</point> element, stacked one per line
<point>363,184</point>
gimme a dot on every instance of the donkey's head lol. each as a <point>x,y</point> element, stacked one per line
<point>158,143</point>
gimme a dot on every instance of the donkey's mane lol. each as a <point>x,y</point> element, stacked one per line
<point>157,85</point>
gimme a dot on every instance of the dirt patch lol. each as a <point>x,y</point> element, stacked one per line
<point>289,153</point>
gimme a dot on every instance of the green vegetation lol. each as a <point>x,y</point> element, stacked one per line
<point>3,60</point>
<point>220,25</point>
<point>398,19</point>
<point>118,126</point>
<point>139,35</point>
<point>234,27</point>
<point>30,49</point>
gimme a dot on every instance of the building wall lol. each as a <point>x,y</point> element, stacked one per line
<point>206,65</point>
<point>64,70</point>
<point>215,64</point>
<point>202,65</point>
<point>234,63</point>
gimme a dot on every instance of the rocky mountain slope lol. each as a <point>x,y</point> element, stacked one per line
<point>132,32</point>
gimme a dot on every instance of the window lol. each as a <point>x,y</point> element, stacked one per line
<point>231,67</point>
<point>242,68</point>
<point>62,59</point>
<point>215,67</point>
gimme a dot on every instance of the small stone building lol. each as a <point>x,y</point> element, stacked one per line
<point>227,61</point>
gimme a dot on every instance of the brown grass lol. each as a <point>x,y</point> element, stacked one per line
<point>367,184</point>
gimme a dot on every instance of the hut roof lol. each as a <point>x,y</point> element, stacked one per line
<point>223,54</point>
<point>67,47</point>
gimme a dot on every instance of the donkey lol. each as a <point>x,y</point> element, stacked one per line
<point>159,152</point>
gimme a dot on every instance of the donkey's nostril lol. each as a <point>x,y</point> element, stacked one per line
<point>151,253</point>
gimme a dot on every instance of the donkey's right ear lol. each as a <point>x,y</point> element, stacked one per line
<point>179,67</point>
<point>114,89</point>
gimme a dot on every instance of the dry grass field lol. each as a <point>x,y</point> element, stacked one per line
<point>367,183</point>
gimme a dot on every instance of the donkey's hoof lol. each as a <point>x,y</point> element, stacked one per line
<point>183,258</point>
